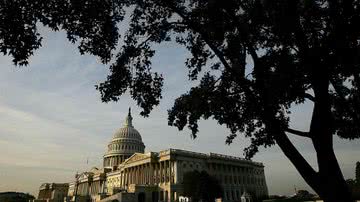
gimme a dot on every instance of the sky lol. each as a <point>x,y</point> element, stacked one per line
<point>53,123</point>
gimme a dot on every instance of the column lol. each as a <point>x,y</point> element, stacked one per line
<point>140,174</point>
<point>134,174</point>
<point>131,175</point>
<point>151,176</point>
<point>165,171</point>
<point>147,173</point>
<point>137,174</point>
<point>126,176</point>
<point>155,172</point>
<point>142,171</point>
<point>148,180</point>
<point>144,167</point>
<point>171,172</point>
<point>143,174</point>
<point>123,178</point>
<point>170,167</point>
<point>160,171</point>
<point>175,173</point>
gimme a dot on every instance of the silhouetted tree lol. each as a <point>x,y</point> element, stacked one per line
<point>201,186</point>
<point>255,59</point>
<point>15,197</point>
<point>354,188</point>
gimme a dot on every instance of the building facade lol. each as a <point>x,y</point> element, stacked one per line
<point>129,174</point>
<point>52,192</point>
<point>159,175</point>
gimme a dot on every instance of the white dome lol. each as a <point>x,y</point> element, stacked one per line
<point>127,132</point>
<point>125,142</point>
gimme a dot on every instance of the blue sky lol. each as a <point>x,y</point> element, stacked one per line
<point>52,121</point>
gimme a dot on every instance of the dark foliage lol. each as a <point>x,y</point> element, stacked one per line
<point>354,188</point>
<point>201,186</point>
<point>255,59</point>
<point>15,197</point>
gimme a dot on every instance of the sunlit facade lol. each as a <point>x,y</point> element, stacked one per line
<point>129,174</point>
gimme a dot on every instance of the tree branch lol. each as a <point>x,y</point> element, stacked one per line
<point>195,27</point>
<point>298,133</point>
<point>304,168</point>
<point>343,99</point>
<point>310,97</point>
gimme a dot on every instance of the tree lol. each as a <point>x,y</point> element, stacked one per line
<point>354,188</point>
<point>255,59</point>
<point>16,197</point>
<point>201,186</point>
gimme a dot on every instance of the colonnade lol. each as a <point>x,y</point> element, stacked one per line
<point>148,173</point>
<point>114,160</point>
<point>96,187</point>
<point>82,189</point>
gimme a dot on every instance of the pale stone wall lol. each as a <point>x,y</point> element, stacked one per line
<point>236,175</point>
<point>165,171</point>
<point>54,192</point>
<point>159,175</point>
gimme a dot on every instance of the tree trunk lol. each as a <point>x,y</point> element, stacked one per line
<point>328,183</point>
<point>333,185</point>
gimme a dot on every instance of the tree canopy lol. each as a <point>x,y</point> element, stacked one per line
<point>201,186</point>
<point>255,60</point>
<point>15,197</point>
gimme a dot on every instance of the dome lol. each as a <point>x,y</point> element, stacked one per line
<point>125,142</point>
<point>127,132</point>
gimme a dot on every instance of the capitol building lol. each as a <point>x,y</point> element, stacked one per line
<point>129,174</point>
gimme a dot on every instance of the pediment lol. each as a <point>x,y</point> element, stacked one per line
<point>84,175</point>
<point>136,157</point>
